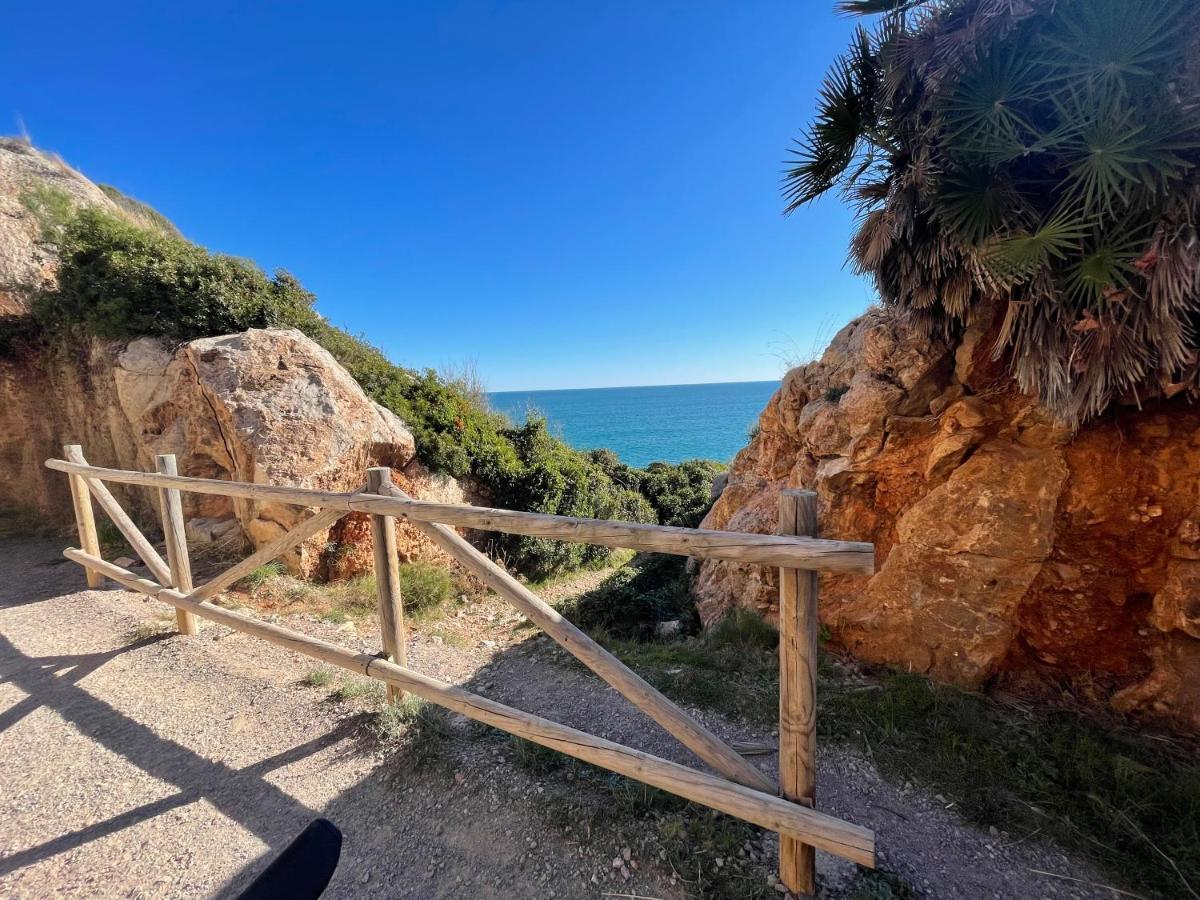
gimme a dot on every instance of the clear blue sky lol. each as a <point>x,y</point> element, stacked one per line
<point>571,194</point>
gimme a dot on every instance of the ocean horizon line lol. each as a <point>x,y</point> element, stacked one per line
<point>632,387</point>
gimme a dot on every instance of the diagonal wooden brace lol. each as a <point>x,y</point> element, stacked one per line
<point>285,542</point>
<point>142,547</point>
<point>632,686</point>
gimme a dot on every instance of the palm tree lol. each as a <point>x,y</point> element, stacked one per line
<point>1042,153</point>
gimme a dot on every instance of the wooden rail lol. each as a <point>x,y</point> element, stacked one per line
<point>740,789</point>
<point>761,549</point>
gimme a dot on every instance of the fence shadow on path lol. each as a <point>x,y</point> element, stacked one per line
<point>243,795</point>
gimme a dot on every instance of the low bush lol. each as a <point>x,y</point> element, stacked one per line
<point>424,586</point>
<point>117,280</point>
<point>632,602</point>
<point>679,494</point>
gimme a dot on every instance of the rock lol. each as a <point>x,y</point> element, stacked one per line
<point>718,485</point>
<point>208,529</point>
<point>265,406</point>
<point>665,630</point>
<point>1008,546</point>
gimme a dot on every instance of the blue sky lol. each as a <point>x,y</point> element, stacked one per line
<point>570,194</point>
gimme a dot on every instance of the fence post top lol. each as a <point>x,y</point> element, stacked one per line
<point>377,477</point>
<point>798,492</point>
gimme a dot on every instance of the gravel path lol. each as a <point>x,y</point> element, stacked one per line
<point>143,765</point>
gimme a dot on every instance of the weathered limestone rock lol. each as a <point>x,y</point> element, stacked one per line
<point>1008,547</point>
<point>266,406</point>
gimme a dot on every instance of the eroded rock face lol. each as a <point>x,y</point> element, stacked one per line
<point>1008,548</point>
<point>265,406</point>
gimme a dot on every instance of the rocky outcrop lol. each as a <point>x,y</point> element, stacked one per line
<point>267,406</point>
<point>262,406</point>
<point>1009,549</point>
<point>34,188</point>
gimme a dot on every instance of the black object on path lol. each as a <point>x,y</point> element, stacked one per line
<point>302,871</point>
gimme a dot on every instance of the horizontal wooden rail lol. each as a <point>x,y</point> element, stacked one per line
<point>818,829</point>
<point>761,549</point>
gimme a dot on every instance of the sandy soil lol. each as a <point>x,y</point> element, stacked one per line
<point>143,765</point>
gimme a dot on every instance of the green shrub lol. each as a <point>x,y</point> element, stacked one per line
<point>631,603</point>
<point>424,586</point>
<point>120,281</point>
<point>681,494</point>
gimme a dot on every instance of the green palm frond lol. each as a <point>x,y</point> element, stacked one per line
<point>1020,256</point>
<point>844,113</point>
<point>1105,268</point>
<point>977,202</point>
<point>1116,42</point>
<point>875,7</point>
<point>1115,153</point>
<point>988,111</point>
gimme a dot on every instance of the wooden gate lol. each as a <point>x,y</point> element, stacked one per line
<point>739,789</point>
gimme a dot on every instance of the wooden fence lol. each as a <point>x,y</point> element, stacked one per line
<point>739,789</point>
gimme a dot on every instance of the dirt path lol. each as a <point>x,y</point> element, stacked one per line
<point>141,765</point>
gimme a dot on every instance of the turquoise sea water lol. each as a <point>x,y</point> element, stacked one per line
<point>668,423</point>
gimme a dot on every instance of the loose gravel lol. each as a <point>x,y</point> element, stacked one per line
<point>138,763</point>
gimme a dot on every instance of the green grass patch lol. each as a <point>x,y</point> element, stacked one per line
<point>1131,804</point>
<point>354,598</point>
<point>319,676</point>
<point>264,574</point>
<point>425,588</point>
<point>358,688</point>
<point>112,542</point>
<point>418,729</point>
<point>51,206</point>
<point>733,668</point>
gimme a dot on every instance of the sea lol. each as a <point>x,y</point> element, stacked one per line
<point>666,423</point>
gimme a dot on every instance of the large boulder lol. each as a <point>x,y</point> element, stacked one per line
<point>1009,548</point>
<point>264,406</point>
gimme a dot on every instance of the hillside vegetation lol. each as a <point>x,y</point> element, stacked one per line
<point>120,281</point>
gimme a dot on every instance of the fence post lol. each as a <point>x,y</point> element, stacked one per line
<point>81,499</point>
<point>176,540</point>
<point>387,579</point>
<point>798,626</point>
